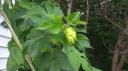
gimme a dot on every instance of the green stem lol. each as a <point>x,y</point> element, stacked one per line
<point>14,36</point>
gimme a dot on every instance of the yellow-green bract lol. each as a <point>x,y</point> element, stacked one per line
<point>70,35</point>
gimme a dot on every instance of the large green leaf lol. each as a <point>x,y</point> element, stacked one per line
<point>37,42</point>
<point>53,61</point>
<point>54,10</point>
<point>77,59</point>
<point>57,24</point>
<point>83,41</point>
<point>74,17</point>
<point>51,22</point>
<point>16,59</point>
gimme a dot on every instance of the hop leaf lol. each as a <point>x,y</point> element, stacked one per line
<point>70,35</point>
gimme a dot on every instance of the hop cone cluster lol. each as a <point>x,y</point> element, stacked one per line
<point>70,35</point>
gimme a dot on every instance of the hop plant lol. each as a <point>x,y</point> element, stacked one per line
<point>70,35</point>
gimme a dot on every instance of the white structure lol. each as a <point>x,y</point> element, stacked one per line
<point>5,37</point>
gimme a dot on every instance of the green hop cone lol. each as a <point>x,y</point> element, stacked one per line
<point>70,35</point>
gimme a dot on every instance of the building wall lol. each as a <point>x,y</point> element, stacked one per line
<point>5,36</point>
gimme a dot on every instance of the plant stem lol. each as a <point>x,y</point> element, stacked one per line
<point>27,57</point>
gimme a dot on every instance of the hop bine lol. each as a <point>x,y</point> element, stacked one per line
<point>70,35</point>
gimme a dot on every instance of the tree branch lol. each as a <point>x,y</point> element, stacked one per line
<point>115,59</point>
<point>116,25</point>
<point>69,6</point>
<point>87,11</point>
<point>122,61</point>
